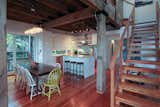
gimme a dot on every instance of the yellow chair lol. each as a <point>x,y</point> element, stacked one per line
<point>53,83</point>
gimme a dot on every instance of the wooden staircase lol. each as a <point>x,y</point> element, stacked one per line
<point>137,82</point>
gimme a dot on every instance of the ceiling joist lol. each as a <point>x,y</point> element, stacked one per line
<point>95,4</point>
<point>70,18</point>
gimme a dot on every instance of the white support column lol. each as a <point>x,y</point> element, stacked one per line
<point>101,53</point>
<point>3,69</point>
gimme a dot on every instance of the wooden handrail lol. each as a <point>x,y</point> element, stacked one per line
<point>157,20</point>
<point>115,56</point>
<point>157,13</point>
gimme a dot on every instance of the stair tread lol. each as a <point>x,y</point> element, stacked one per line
<point>140,44</point>
<point>143,62</point>
<point>135,101</point>
<point>144,55</point>
<point>141,69</point>
<point>148,39</point>
<point>146,22</point>
<point>145,37</point>
<point>144,26</point>
<point>141,79</point>
<point>143,49</point>
<point>144,31</point>
<point>140,89</point>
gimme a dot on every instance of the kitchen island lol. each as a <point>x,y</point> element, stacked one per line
<point>87,61</point>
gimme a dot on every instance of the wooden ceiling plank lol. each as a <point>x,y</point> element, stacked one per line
<point>26,7</point>
<point>56,6</point>
<point>71,18</point>
<point>74,3</point>
<point>91,3</point>
<point>99,5</point>
<point>14,11</point>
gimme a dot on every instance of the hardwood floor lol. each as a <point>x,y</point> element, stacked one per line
<point>75,93</point>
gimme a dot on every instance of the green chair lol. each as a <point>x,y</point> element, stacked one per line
<point>52,84</point>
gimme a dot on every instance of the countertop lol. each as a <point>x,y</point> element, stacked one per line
<point>80,56</point>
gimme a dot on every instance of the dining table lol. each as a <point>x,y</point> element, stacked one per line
<point>40,70</point>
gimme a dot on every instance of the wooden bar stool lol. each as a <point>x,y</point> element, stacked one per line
<point>67,66</point>
<point>73,67</point>
<point>80,69</point>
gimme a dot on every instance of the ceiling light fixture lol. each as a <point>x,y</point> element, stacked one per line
<point>33,30</point>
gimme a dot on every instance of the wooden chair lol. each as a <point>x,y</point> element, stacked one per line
<point>58,65</point>
<point>30,84</point>
<point>32,63</point>
<point>17,75</point>
<point>20,77</point>
<point>52,84</point>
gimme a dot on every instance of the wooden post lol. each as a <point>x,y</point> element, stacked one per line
<point>102,50</point>
<point>3,71</point>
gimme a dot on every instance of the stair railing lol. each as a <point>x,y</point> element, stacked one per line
<point>118,53</point>
<point>157,20</point>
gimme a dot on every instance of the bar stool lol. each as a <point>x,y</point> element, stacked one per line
<point>67,66</point>
<point>80,70</point>
<point>73,67</point>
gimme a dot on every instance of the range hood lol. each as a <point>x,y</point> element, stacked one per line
<point>85,41</point>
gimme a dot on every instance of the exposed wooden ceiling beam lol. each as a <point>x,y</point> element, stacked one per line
<point>100,5</point>
<point>90,3</point>
<point>70,18</point>
<point>95,4</point>
<point>56,6</point>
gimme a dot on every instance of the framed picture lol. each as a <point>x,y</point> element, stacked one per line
<point>139,3</point>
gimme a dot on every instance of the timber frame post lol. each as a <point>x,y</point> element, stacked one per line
<point>101,48</point>
<point>3,70</point>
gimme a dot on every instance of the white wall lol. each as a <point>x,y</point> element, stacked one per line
<point>145,13</point>
<point>64,42</point>
<point>16,27</point>
<point>44,42</point>
<point>127,8</point>
<point>38,48</point>
<point>48,45</point>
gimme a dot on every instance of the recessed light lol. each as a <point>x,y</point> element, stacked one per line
<point>33,10</point>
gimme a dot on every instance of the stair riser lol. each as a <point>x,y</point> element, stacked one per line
<point>143,62</point>
<point>141,79</point>
<point>141,70</point>
<point>145,39</point>
<point>155,93</point>
<point>135,101</point>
